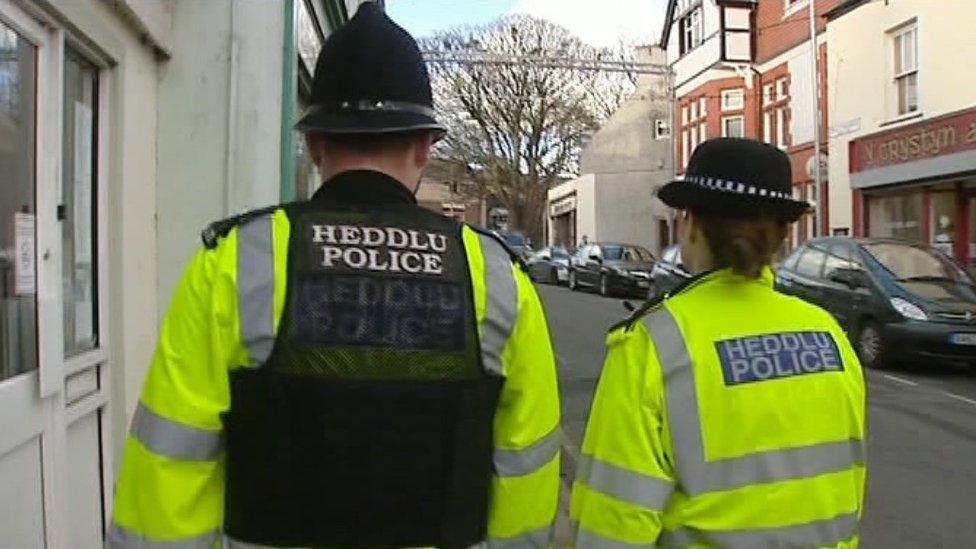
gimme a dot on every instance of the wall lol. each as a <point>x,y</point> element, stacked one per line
<point>220,122</point>
<point>780,30</point>
<point>860,70</point>
<point>626,210</point>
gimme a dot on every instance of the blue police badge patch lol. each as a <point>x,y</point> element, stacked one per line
<point>775,356</point>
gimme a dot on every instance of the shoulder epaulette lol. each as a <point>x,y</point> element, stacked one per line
<point>516,258</point>
<point>219,229</point>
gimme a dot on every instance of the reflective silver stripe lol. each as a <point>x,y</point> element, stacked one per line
<point>536,538</point>
<point>501,308</point>
<point>585,539</point>
<point>695,474</point>
<point>639,489</point>
<point>172,439</point>
<point>516,463</point>
<point>118,537</point>
<point>255,287</point>
<point>823,533</point>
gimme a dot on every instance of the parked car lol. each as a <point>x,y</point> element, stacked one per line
<point>549,265</point>
<point>897,300</point>
<point>517,242</point>
<point>612,269</point>
<point>668,272</point>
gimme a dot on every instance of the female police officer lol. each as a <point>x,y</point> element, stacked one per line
<point>727,414</point>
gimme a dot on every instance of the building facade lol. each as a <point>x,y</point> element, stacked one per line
<point>745,68</point>
<point>903,141</point>
<point>450,190</point>
<point>125,127</point>
<point>622,166</point>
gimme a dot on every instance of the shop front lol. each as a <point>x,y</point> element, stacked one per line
<point>918,183</point>
<point>562,219</point>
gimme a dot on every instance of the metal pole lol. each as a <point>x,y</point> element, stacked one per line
<point>815,82</point>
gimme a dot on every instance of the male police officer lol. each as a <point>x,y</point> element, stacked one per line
<point>352,370</point>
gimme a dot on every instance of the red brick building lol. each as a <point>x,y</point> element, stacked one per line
<point>743,68</point>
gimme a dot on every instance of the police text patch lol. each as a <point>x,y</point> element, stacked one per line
<point>774,356</point>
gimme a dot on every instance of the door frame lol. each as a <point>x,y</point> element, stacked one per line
<point>52,384</point>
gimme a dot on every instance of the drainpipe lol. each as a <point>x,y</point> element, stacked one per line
<point>815,68</point>
<point>289,75</point>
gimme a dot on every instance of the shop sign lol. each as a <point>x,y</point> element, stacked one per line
<point>562,206</point>
<point>933,138</point>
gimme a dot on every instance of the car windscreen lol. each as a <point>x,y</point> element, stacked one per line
<point>560,253</point>
<point>907,263</point>
<point>626,253</point>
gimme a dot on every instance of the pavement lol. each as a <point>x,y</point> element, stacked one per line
<point>921,438</point>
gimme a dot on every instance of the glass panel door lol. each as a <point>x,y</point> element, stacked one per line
<point>18,271</point>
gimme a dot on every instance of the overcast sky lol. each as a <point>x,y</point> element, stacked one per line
<point>601,23</point>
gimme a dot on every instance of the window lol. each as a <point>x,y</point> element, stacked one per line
<point>768,127</point>
<point>702,106</point>
<point>790,262</point>
<point>733,126</point>
<point>684,115</point>
<point>896,216</point>
<point>702,132</point>
<point>943,219</point>
<point>811,263</point>
<point>691,30</point>
<point>694,111</point>
<point>625,253</point>
<point>782,89</point>
<point>733,100</point>
<point>839,257</point>
<point>906,68</point>
<point>768,96</point>
<point>78,230</point>
<point>694,137</point>
<point>18,283</point>
<point>685,147</point>
<point>782,128</point>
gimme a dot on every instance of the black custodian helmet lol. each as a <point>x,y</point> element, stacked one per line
<point>370,78</point>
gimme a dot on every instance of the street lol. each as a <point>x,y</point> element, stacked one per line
<point>922,430</point>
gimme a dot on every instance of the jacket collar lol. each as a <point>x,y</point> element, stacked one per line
<point>363,187</point>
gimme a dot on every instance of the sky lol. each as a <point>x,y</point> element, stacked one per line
<point>600,22</point>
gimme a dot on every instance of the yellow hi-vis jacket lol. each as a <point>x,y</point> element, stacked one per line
<point>170,491</point>
<point>728,415</point>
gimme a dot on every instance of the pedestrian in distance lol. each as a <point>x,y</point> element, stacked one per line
<point>351,370</point>
<point>727,414</point>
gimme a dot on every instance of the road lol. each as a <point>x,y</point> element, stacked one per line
<point>922,430</point>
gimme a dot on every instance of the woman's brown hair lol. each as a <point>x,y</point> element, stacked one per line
<point>744,245</point>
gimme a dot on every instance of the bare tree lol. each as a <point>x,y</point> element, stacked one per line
<point>520,127</point>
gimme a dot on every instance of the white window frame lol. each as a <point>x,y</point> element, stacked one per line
<point>662,129</point>
<point>692,30</point>
<point>685,149</point>
<point>768,126</point>
<point>693,112</point>
<point>702,132</point>
<point>684,115</point>
<point>768,94</point>
<point>703,106</point>
<point>792,6</point>
<point>900,77</point>
<point>782,129</point>
<point>733,99</point>
<point>694,136</point>
<point>782,90</point>
<point>725,125</point>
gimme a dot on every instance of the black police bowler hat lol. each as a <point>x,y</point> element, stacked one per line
<point>370,78</point>
<point>738,178</point>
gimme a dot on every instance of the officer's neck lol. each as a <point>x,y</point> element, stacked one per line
<point>407,176</point>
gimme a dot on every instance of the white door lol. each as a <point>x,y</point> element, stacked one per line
<point>52,387</point>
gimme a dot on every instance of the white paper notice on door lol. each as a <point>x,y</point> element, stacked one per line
<point>82,191</point>
<point>25,271</point>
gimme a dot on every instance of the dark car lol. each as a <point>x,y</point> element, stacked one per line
<point>612,269</point>
<point>668,272</point>
<point>517,242</point>
<point>550,265</point>
<point>897,300</point>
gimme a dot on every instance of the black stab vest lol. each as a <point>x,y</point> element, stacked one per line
<point>371,422</point>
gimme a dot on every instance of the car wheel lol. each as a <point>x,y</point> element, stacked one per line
<point>871,346</point>
<point>572,281</point>
<point>604,286</point>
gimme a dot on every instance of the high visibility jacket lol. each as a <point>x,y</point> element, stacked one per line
<point>171,487</point>
<point>727,415</point>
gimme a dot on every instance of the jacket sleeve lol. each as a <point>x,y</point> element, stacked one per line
<point>170,489</point>
<point>527,439</point>
<point>625,476</point>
